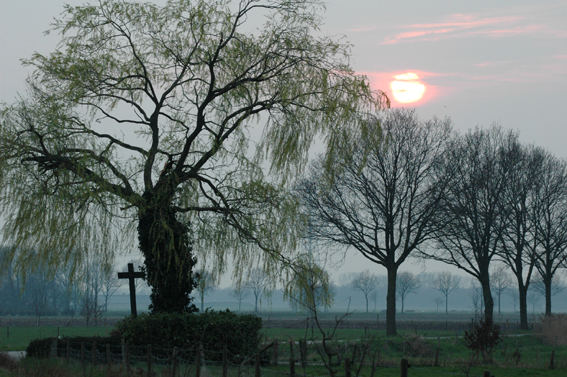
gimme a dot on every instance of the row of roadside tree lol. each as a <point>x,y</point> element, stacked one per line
<point>418,188</point>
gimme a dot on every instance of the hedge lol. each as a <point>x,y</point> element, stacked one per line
<point>214,330</point>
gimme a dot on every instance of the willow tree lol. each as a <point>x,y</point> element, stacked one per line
<point>177,123</point>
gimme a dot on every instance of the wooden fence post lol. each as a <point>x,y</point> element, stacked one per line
<point>347,367</point>
<point>198,361</point>
<point>93,353</point>
<point>123,351</point>
<point>53,348</point>
<point>83,362</point>
<point>291,359</point>
<point>224,361</point>
<point>127,358</point>
<point>257,366</point>
<point>149,359</point>
<point>373,371</point>
<point>404,364</point>
<point>552,360</point>
<point>67,350</point>
<point>108,358</point>
<point>303,352</point>
<point>174,362</point>
<point>275,353</point>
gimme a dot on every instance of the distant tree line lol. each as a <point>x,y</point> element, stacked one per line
<point>37,291</point>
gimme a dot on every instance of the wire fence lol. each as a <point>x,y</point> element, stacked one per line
<point>273,358</point>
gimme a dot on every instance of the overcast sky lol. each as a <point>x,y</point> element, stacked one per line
<point>481,62</point>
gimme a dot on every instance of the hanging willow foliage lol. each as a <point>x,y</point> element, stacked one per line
<point>181,107</point>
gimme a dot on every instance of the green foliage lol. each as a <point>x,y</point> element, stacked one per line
<point>146,109</point>
<point>309,288</point>
<point>240,333</point>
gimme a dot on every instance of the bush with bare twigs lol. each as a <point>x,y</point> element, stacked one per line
<point>554,329</point>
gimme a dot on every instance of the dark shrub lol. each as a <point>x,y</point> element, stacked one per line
<point>482,337</point>
<point>212,329</point>
<point>39,348</point>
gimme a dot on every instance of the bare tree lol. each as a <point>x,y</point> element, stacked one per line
<point>239,292</point>
<point>258,282</point>
<point>407,283</point>
<point>37,288</point>
<point>439,301</point>
<point>110,284</point>
<point>381,200</point>
<point>500,281</point>
<point>552,223</point>
<point>205,283</point>
<point>539,287</point>
<point>366,282</point>
<point>518,249</point>
<point>470,214</point>
<point>92,286</point>
<point>446,283</point>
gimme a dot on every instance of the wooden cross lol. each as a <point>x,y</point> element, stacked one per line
<point>131,275</point>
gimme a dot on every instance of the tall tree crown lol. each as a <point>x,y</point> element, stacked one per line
<point>141,106</point>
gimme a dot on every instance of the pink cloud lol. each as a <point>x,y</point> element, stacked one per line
<point>463,25</point>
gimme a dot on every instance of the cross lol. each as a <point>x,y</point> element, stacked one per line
<point>131,275</point>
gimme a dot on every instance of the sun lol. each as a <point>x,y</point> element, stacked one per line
<point>407,88</point>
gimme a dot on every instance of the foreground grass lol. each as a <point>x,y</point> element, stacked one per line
<point>53,368</point>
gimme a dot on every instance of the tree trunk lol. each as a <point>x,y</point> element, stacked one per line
<point>499,294</point>
<point>523,296</point>
<point>166,245</point>
<point>391,301</point>
<point>366,297</point>
<point>446,304</point>
<point>488,301</point>
<point>547,282</point>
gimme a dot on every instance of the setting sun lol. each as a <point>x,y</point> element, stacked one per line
<point>407,88</point>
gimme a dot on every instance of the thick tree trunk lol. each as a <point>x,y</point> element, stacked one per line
<point>547,282</point>
<point>523,296</point>
<point>366,297</point>
<point>488,302</point>
<point>166,246</point>
<point>391,301</point>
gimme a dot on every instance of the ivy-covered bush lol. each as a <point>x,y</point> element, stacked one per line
<point>212,329</point>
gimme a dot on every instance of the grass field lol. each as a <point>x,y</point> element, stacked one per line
<point>417,345</point>
<point>17,338</point>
